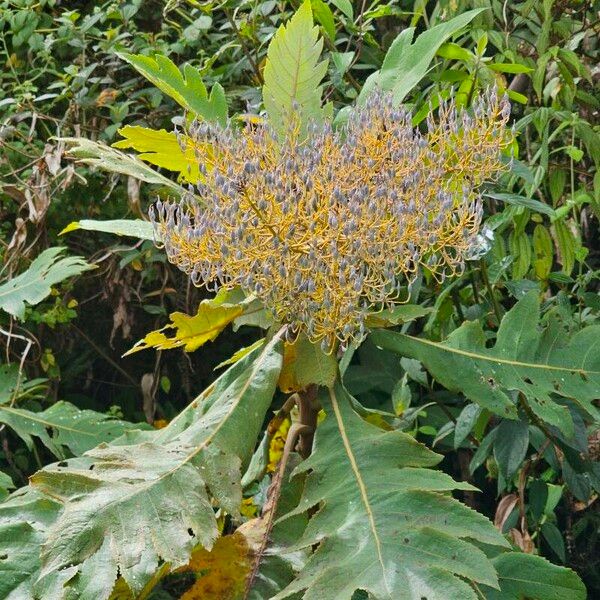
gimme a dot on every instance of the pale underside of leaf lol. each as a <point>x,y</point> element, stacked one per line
<point>128,507</point>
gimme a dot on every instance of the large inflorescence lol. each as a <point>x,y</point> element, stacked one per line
<point>325,225</point>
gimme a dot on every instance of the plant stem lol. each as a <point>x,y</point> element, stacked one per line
<point>309,410</point>
<point>273,494</point>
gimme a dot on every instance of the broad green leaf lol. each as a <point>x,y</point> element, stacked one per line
<point>293,72</point>
<point>406,63</point>
<point>6,484</point>
<point>538,363</point>
<point>528,576</point>
<point>128,506</point>
<point>187,89</point>
<point>17,562</point>
<point>136,228</point>
<point>385,523</point>
<point>162,148</point>
<point>345,6</point>
<point>35,284</point>
<point>191,332</point>
<point>304,363</point>
<point>107,158</point>
<point>403,313</point>
<point>24,521</point>
<point>65,426</point>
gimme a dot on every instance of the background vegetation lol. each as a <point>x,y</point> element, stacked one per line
<point>62,352</point>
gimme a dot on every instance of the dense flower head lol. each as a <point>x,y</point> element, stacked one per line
<point>324,224</point>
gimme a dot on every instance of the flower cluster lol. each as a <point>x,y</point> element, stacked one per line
<point>326,224</point>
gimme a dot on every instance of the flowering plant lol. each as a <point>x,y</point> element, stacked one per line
<point>317,230</point>
<point>324,224</point>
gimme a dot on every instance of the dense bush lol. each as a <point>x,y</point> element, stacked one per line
<point>494,370</point>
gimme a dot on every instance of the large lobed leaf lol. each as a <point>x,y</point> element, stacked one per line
<point>385,524</point>
<point>187,88</point>
<point>24,520</point>
<point>132,505</point>
<point>35,284</point>
<point>292,72</point>
<point>539,363</point>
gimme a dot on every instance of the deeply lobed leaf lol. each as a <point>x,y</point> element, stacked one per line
<point>35,284</point>
<point>385,523</point>
<point>539,363</point>
<point>292,72</point>
<point>130,506</point>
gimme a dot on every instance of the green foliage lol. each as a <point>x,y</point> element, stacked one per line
<point>406,63</point>
<point>293,71</point>
<point>525,359</point>
<point>527,576</point>
<point>379,498</point>
<point>63,425</point>
<point>187,89</point>
<point>98,154</point>
<point>500,337</point>
<point>110,497</point>
<point>35,284</point>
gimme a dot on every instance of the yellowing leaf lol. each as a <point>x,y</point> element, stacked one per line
<point>191,332</point>
<point>277,443</point>
<point>222,572</point>
<point>162,148</point>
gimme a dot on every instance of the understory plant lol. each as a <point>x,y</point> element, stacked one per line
<point>319,227</point>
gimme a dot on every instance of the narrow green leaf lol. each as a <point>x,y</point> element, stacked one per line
<point>136,228</point>
<point>517,200</point>
<point>324,16</point>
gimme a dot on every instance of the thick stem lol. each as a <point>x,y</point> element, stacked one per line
<point>270,507</point>
<point>309,407</point>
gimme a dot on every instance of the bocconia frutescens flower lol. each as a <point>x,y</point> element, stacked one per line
<point>326,224</point>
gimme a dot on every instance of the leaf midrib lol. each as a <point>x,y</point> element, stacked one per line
<point>505,361</point>
<point>142,488</point>
<point>35,419</point>
<point>361,485</point>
